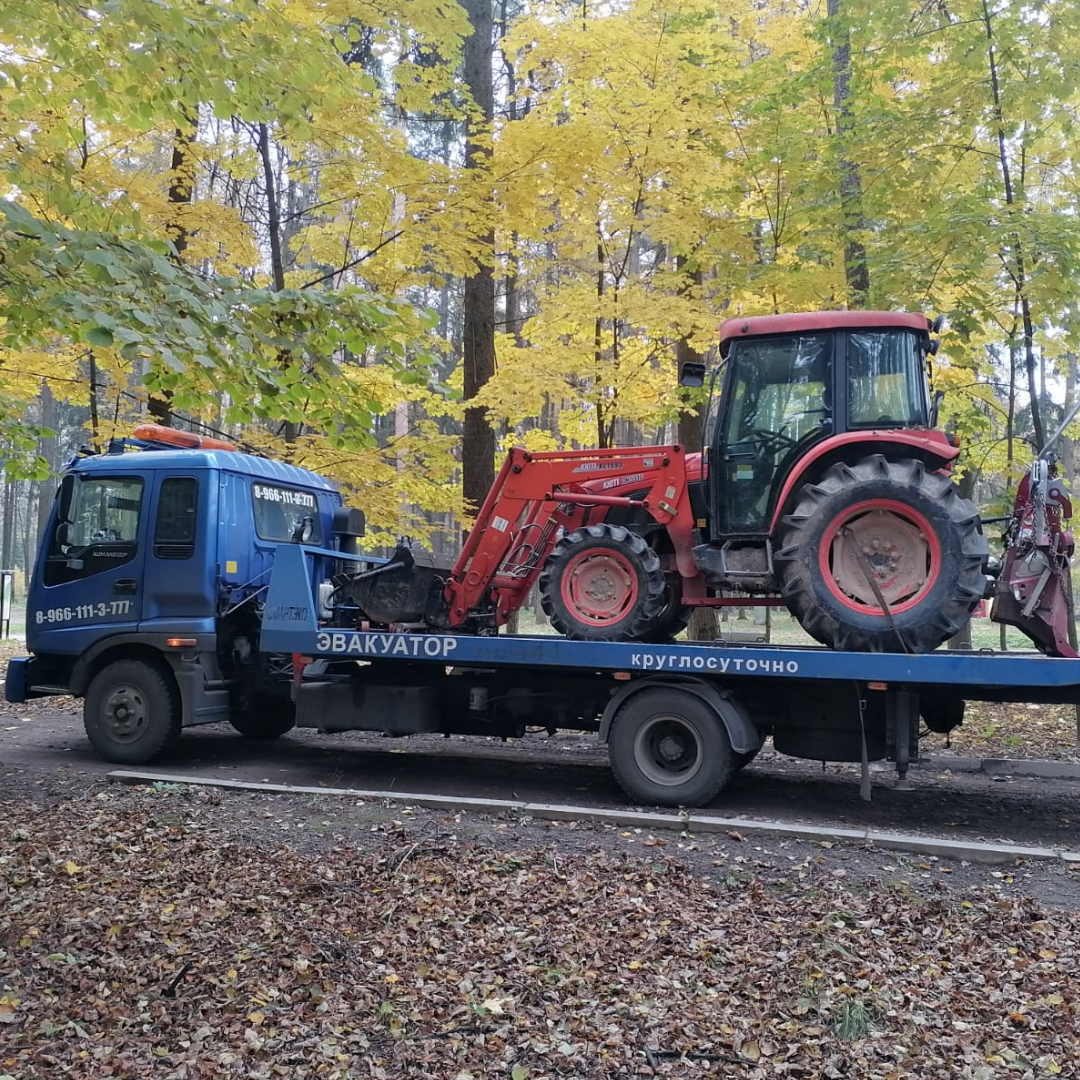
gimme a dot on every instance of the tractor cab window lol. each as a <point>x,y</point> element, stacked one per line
<point>103,530</point>
<point>778,397</point>
<point>886,380</point>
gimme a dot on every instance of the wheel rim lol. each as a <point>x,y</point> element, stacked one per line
<point>125,713</point>
<point>668,750</point>
<point>900,545</point>
<point>599,587</point>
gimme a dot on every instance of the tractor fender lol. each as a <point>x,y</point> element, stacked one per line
<point>742,732</point>
<point>932,446</point>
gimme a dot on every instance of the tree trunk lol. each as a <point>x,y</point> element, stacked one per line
<point>478,344</point>
<point>181,195</point>
<point>703,625</point>
<point>289,430</point>
<point>7,536</point>
<point>48,448</point>
<point>856,269</point>
<point>1017,259</point>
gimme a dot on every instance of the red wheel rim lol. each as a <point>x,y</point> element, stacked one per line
<point>599,587</point>
<point>901,546</point>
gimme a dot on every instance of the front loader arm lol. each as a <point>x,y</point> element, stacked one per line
<point>538,496</point>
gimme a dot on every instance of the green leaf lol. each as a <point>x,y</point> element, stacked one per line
<point>100,337</point>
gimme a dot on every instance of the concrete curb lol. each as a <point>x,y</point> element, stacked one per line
<point>690,821</point>
<point>1047,770</point>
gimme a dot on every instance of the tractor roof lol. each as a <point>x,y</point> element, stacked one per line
<point>760,325</point>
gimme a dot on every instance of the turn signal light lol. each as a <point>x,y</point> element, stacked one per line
<point>181,642</point>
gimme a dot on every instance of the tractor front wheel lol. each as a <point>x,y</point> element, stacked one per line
<point>882,531</point>
<point>603,583</point>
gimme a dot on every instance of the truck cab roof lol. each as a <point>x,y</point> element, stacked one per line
<point>226,460</point>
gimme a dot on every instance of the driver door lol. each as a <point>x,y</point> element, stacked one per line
<point>776,401</point>
<point>92,576</point>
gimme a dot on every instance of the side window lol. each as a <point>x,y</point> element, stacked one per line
<point>174,529</point>
<point>103,532</point>
<point>885,379</point>
<point>286,515</point>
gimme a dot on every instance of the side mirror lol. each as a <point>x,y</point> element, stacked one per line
<point>938,324</point>
<point>63,535</point>
<point>692,374</point>
<point>348,521</point>
<point>65,497</point>
<point>304,530</point>
<point>935,406</point>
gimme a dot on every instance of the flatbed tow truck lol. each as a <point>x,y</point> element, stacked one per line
<point>186,583</point>
<point>179,587</point>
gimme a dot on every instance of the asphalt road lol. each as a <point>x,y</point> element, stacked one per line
<point>44,746</point>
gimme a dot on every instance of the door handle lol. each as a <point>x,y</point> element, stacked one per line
<point>126,585</point>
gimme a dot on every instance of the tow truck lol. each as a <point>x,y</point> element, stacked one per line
<point>181,582</point>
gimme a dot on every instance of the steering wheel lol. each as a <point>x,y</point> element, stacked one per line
<point>772,440</point>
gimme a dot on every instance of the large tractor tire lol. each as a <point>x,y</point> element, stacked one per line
<point>907,527</point>
<point>603,583</point>
<point>674,616</point>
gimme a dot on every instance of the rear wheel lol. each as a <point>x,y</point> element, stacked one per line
<point>674,616</point>
<point>131,712</point>
<point>603,583</point>
<point>669,748</point>
<point>264,717</point>
<point>889,524</point>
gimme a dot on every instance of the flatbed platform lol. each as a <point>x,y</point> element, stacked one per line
<point>983,675</point>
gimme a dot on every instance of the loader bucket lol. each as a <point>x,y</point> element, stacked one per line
<point>407,589</point>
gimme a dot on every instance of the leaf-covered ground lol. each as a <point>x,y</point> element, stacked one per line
<point>139,939</point>
<point>1006,730</point>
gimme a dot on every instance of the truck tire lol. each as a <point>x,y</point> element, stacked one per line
<point>669,748</point>
<point>924,544</point>
<point>132,712</point>
<point>264,718</point>
<point>603,583</point>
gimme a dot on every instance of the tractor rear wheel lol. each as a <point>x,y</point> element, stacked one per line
<point>603,583</point>
<point>890,524</point>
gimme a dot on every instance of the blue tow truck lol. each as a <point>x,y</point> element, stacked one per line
<point>180,583</point>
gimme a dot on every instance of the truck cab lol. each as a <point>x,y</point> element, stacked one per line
<point>148,593</point>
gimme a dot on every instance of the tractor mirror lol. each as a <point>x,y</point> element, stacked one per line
<point>692,374</point>
<point>935,407</point>
<point>938,325</point>
<point>65,497</point>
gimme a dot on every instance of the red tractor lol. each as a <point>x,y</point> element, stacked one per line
<point>822,486</point>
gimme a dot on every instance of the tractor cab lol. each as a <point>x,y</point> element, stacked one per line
<point>795,387</point>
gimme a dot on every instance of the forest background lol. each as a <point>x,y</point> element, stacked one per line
<point>386,239</point>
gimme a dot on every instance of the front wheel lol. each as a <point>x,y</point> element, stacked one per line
<point>603,583</point>
<point>132,712</point>
<point>878,531</point>
<point>669,748</point>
